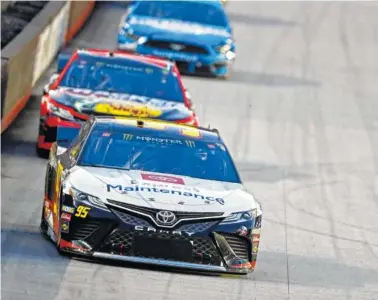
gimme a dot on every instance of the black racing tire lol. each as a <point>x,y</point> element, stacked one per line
<point>227,76</point>
<point>42,153</point>
<point>43,227</point>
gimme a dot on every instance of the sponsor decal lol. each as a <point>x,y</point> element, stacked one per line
<point>177,26</point>
<point>138,189</point>
<point>65,227</point>
<point>88,97</point>
<point>106,134</point>
<point>47,212</point>
<point>163,178</point>
<point>255,238</point>
<point>255,248</point>
<point>127,136</point>
<point>177,47</point>
<point>82,211</point>
<point>190,144</point>
<point>242,231</point>
<point>75,150</point>
<point>168,232</point>
<point>47,203</point>
<point>211,146</point>
<point>163,185</point>
<point>68,209</point>
<point>192,132</point>
<point>158,140</point>
<point>176,55</point>
<point>65,217</point>
<point>256,231</point>
<point>127,109</point>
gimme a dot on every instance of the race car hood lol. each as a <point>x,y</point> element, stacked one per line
<point>162,191</point>
<point>178,31</point>
<point>89,102</point>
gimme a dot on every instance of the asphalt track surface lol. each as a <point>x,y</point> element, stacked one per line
<point>300,116</point>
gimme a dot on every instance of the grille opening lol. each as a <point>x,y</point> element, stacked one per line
<point>197,249</point>
<point>129,218</point>
<point>182,47</point>
<point>238,244</point>
<point>84,230</point>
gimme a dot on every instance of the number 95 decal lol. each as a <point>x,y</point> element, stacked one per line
<point>82,212</point>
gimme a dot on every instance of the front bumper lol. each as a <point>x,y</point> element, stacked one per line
<point>188,63</point>
<point>173,264</point>
<point>118,234</point>
<point>117,253</point>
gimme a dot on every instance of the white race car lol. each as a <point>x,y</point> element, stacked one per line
<point>150,192</point>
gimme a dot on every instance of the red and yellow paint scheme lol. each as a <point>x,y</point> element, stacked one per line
<point>59,104</point>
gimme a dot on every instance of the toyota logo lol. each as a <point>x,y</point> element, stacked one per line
<point>165,217</point>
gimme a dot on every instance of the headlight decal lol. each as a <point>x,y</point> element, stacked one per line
<point>240,217</point>
<point>81,197</point>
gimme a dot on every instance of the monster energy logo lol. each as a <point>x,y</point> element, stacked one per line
<point>190,144</point>
<point>127,136</point>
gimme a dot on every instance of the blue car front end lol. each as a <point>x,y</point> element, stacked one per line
<point>196,59</point>
<point>196,48</point>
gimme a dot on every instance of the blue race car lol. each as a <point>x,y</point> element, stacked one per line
<point>197,35</point>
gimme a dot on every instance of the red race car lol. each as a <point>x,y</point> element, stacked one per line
<point>103,82</point>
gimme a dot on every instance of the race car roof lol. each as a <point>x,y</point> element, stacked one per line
<point>158,127</point>
<point>212,2</point>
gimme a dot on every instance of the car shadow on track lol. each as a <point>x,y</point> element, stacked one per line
<point>255,20</point>
<point>262,79</point>
<point>30,265</point>
<point>26,244</point>
<point>312,271</point>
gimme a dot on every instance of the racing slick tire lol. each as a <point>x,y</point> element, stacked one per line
<point>43,153</point>
<point>226,76</point>
<point>43,227</point>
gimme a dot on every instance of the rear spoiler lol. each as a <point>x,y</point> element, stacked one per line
<point>65,135</point>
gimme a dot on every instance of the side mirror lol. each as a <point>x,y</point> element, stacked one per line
<point>46,88</point>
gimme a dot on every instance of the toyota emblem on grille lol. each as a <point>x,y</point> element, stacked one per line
<point>177,47</point>
<point>165,217</point>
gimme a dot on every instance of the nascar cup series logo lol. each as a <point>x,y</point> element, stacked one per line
<point>165,217</point>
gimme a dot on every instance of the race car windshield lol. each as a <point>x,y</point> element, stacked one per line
<point>196,12</point>
<point>126,151</point>
<point>123,76</point>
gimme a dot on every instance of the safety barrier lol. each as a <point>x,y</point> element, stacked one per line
<point>24,60</point>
